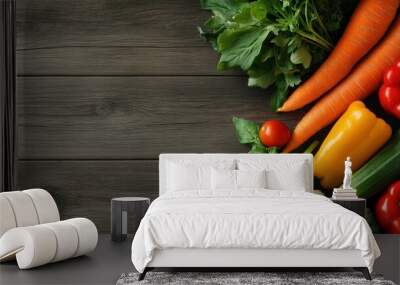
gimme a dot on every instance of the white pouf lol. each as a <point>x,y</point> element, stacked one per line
<point>7,220</point>
<point>23,208</point>
<point>31,232</point>
<point>87,233</point>
<point>37,245</point>
<point>32,246</point>
<point>45,205</point>
<point>67,238</point>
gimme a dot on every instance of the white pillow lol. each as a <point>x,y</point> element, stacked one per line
<point>251,178</point>
<point>185,177</point>
<point>225,179</point>
<point>192,174</point>
<point>292,178</point>
<point>281,174</point>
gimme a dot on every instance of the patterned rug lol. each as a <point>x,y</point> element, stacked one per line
<point>243,278</point>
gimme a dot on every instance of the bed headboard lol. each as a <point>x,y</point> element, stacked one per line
<point>163,159</point>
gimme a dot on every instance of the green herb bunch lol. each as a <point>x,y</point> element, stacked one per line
<point>276,42</point>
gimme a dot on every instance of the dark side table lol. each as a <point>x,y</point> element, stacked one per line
<point>357,205</point>
<point>136,207</point>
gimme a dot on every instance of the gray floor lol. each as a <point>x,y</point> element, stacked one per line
<point>111,259</point>
<point>103,266</point>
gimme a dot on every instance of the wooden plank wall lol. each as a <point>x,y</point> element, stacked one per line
<point>104,86</point>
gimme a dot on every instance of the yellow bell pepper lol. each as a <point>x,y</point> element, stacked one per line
<point>359,134</point>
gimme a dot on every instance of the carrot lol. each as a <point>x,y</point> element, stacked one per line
<point>366,27</point>
<point>365,79</point>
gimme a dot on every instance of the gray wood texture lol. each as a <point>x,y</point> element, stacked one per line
<point>133,117</point>
<point>104,23</point>
<point>116,61</point>
<point>85,188</point>
<point>104,86</point>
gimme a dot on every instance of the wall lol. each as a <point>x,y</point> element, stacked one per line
<point>104,86</point>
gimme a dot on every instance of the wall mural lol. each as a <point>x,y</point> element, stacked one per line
<point>105,86</point>
<point>327,57</point>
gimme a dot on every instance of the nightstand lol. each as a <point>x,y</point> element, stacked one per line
<point>136,206</point>
<point>357,205</point>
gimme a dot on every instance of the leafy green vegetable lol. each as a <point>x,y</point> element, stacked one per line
<point>223,8</point>
<point>277,42</point>
<point>261,77</point>
<point>301,56</point>
<point>247,133</point>
<point>258,148</point>
<point>242,47</point>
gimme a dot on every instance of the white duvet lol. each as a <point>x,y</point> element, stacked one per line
<point>250,219</point>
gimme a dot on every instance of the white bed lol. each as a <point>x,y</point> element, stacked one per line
<point>249,227</point>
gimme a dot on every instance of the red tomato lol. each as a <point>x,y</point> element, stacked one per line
<point>274,133</point>
<point>392,75</point>
<point>389,98</point>
<point>387,209</point>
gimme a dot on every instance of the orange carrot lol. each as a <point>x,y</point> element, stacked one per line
<point>364,79</point>
<point>366,27</point>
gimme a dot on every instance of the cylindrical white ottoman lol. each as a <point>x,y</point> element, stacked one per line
<point>37,245</point>
<point>31,231</point>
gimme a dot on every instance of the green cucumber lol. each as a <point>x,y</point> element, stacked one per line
<point>381,170</point>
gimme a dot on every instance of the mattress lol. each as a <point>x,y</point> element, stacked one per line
<point>250,219</point>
